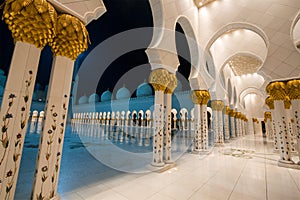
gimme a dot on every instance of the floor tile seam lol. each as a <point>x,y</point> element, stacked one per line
<point>115,191</point>
<point>293,180</point>
<point>162,194</point>
<point>202,185</point>
<point>266,175</point>
<point>236,183</point>
<point>75,193</point>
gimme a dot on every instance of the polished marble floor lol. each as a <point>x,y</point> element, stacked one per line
<point>245,168</point>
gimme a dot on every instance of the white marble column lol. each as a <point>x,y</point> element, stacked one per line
<point>159,79</point>
<point>277,91</point>
<point>238,122</point>
<point>217,107</point>
<point>232,123</point>
<point>31,33</point>
<point>226,124</point>
<point>204,125</point>
<point>168,107</point>
<point>293,91</point>
<point>200,99</point>
<point>40,122</point>
<point>34,119</point>
<point>15,108</point>
<point>70,41</point>
<point>268,123</point>
<point>270,103</point>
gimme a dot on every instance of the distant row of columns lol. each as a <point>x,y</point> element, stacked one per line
<point>33,25</point>
<point>284,104</point>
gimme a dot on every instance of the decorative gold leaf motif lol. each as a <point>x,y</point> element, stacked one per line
<point>217,105</point>
<point>200,97</point>
<point>159,79</point>
<point>31,21</point>
<point>172,84</point>
<point>71,38</point>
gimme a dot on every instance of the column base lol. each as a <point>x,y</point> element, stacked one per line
<point>289,165</point>
<point>157,164</point>
<point>285,162</point>
<point>160,169</point>
<point>219,145</point>
<point>56,197</point>
<point>169,161</point>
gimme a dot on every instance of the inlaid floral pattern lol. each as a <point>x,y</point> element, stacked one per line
<point>11,174</point>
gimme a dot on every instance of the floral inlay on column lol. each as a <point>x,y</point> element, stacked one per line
<point>159,79</point>
<point>200,99</point>
<point>32,24</point>
<point>217,107</point>
<point>168,105</point>
<point>282,103</point>
<point>71,40</point>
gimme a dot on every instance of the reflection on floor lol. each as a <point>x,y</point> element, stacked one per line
<point>99,164</point>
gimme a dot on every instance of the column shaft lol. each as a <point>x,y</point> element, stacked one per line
<point>15,113</point>
<point>167,133</point>
<point>284,137</point>
<point>198,134</point>
<point>232,127</point>
<point>226,127</point>
<point>51,143</point>
<point>204,126</point>
<point>158,125</point>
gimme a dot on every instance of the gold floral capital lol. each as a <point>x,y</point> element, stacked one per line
<point>172,84</point>
<point>159,79</point>
<point>227,110</point>
<point>293,89</point>
<point>217,105</point>
<point>287,102</point>
<point>200,97</point>
<point>31,21</point>
<point>270,102</point>
<point>72,37</point>
<point>276,90</point>
<point>268,115</point>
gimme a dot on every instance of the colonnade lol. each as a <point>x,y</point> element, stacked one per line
<point>35,24</point>
<point>283,123</point>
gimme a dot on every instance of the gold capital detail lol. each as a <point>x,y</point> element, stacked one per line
<point>31,21</point>
<point>200,97</point>
<point>227,110</point>
<point>268,115</point>
<point>293,89</point>
<point>172,84</point>
<point>277,90</point>
<point>159,79</point>
<point>71,39</point>
<point>217,105</point>
<point>270,102</point>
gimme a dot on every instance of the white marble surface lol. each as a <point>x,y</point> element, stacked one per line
<point>245,168</point>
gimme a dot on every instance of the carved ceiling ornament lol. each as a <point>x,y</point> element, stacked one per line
<point>244,64</point>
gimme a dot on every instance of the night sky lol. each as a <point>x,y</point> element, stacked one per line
<point>121,15</point>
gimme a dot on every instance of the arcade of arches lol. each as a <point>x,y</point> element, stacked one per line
<point>240,115</point>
